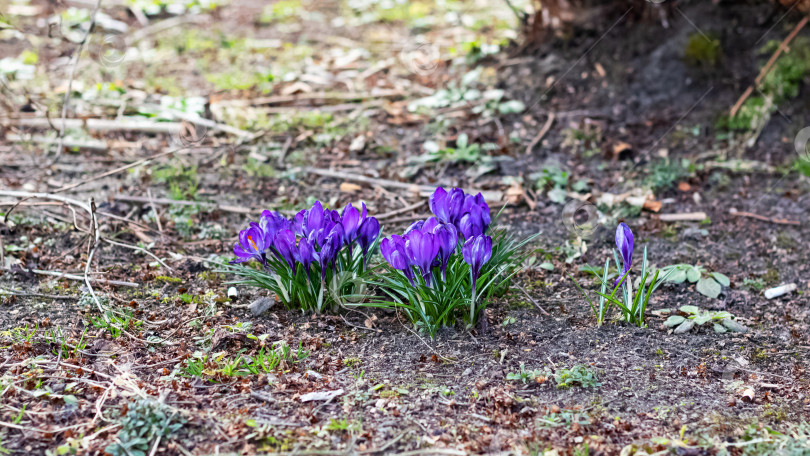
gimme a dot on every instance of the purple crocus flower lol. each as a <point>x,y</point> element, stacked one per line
<point>624,242</point>
<point>447,238</point>
<point>447,207</point>
<point>478,200</point>
<point>271,223</point>
<point>310,220</point>
<point>455,204</point>
<point>438,204</point>
<point>305,254</point>
<point>285,247</point>
<point>328,223</point>
<point>251,245</point>
<point>393,250</point>
<point>330,247</point>
<point>422,249</point>
<point>367,234</point>
<point>477,251</point>
<point>471,223</point>
<point>350,218</point>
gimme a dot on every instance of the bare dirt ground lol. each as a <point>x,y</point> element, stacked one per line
<point>320,100</point>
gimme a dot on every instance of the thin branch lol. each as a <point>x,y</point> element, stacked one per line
<point>542,133</point>
<point>532,299</point>
<point>93,245</point>
<point>154,210</point>
<point>65,275</point>
<point>117,170</point>
<point>769,66</point>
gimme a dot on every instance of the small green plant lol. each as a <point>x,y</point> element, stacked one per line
<point>265,361</point>
<point>463,152</point>
<point>664,173</point>
<point>580,374</point>
<point>554,181</point>
<point>496,104</point>
<point>352,362</point>
<point>183,181</point>
<point>760,440</point>
<point>563,418</point>
<point>692,316</point>
<point>24,334</point>
<point>586,140</point>
<point>145,421</point>
<point>707,284</point>
<point>754,284</point>
<point>116,322</point>
<point>167,279</point>
<point>524,375</point>
<point>702,51</point>
<point>343,425</point>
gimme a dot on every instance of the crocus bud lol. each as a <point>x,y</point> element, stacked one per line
<point>476,252</point>
<point>624,243</point>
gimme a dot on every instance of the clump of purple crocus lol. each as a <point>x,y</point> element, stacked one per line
<point>429,244</point>
<point>313,236</point>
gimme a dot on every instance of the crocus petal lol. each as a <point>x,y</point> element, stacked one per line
<point>438,204</point>
<point>422,249</point>
<point>351,222</point>
<point>471,223</point>
<point>285,246</point>
<point>367,233</point>
<point>271,223</point>
<point>417,225</point>
<point>393,254</point>
<point>455,204</point>
<point>485,213</point>
<point>240,252</point>
<point>430,225</point>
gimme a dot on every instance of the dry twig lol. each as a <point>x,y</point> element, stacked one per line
<point>778,221</point>
<point>768,66</point>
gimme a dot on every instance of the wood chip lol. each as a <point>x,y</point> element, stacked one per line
<point>349,187</point>
<point>651,205</point>
<point>684,217</point>
<point>321,395</point>
<point>600,69</point>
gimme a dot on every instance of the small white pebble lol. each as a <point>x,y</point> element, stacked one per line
<point>232,293</point>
